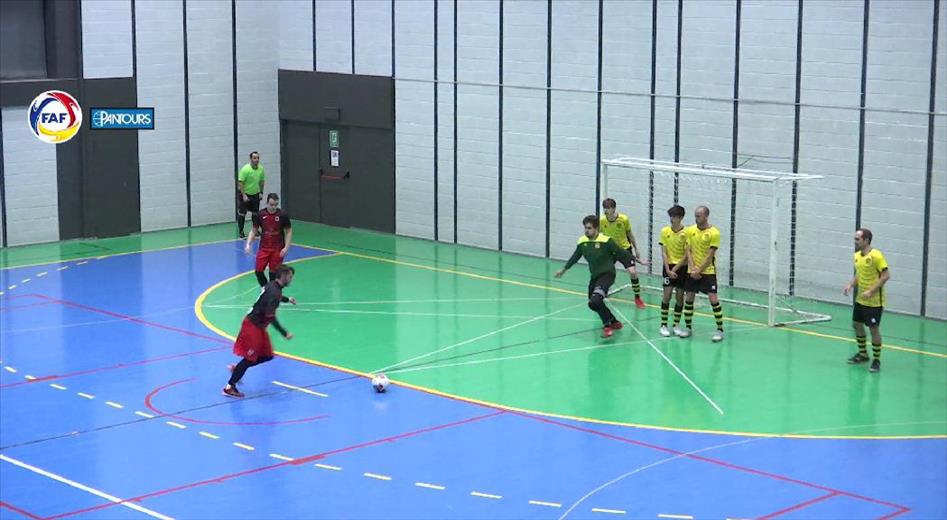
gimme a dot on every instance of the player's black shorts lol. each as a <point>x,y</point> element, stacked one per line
<point>631,251</point>
<point>602,281</point>
<point>678,282</point>
<point>707,284</point>
<point>252,204</point>
<point>870,316</point>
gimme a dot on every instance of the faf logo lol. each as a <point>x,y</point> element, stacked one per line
<point>55,117</point>
<point>123,118</point>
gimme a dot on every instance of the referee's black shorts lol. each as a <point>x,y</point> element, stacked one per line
<point>252,204</point>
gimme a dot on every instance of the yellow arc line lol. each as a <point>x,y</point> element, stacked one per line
<point>199,312</point>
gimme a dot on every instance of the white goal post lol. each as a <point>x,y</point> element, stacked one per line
<point>767,193</point>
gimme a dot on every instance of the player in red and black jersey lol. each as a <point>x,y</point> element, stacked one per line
<point>276,234</point>
<point>253,342</point>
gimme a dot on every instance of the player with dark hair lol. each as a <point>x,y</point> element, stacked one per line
<point>276,235</point>
<point>871,274</point>
<point>601,252</point>
<point>617,226</point>
<point>673,244</point>
<point>253,342</point>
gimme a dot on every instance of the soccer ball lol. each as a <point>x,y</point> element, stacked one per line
<point>380,383</point>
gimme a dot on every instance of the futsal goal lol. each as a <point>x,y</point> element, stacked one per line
<point>753,210</point>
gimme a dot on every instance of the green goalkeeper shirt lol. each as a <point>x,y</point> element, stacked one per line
<point>601,253</point>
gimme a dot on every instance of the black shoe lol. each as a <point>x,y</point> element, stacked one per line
<point>875,365</point>
<point>242,235</point>
<point>857,358</point>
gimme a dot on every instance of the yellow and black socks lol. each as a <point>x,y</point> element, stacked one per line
<point>688,313</point>
<point>876,350</point>
<point>862,345</point>
<point>678,309</point>
<point>718,315</point>
<point>636,286</point>
<point>665,307</point>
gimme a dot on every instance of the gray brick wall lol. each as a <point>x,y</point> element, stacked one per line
<point>257,88</point>
<point>106,38</point>
<point>445,120</point>
<point>937,257</point>
<point>161,152</point>
<point>414,120</point>
<point>572,142</point>
<point>477,123</point>
<point>295,34</point>
<point>524,127</point>
<point>373,38</point>
<point>211,112</point>
<point>334,36</point>
<point>29,170</point>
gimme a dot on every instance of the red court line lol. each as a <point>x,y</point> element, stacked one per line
<point>797,507</point>
<point>24,306</point>
<point>896,513</point>
<point>154,409</point>
<point>15,509</point>
<point>186,332</point>
<point>713,461</point>
<point>113,367</point>
<point>295,462</point>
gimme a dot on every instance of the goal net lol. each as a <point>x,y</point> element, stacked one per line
<point>751,208</point>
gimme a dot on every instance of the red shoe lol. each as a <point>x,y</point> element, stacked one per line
<point>231,391</point>
<point>638,302</point>
<point>616,325</point>
<point>607,332</point>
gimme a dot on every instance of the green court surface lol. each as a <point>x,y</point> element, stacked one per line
<point>498,328</point>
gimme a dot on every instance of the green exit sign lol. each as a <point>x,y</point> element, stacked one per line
<point>333,138</point>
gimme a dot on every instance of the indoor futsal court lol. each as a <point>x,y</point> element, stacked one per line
<point>473,259</point>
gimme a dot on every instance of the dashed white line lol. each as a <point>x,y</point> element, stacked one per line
<point>299,389</point>
<point>10,288</point>
<point>429,486</point>
<point>485,495</point>
<point>281,457</point>
<point>547,504</point>
<point>377,476</point>
<point>326,466</point>
<point>145,415</point>
<point>40,275</point>
<point>244,446</point>
<point>676,517</point>
<point>210,435</point>
<point>25,280</point>
<point>10,369</point>
<point>63,268</point>
<point>29,377</point>
<point>82,262</point>
<point>176,425</point>
<point>57,387</point>
<point>114,404</point>
<point>610,511</point>
<point>87,396</point>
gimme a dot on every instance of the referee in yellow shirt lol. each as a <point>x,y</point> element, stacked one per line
<point>617,226</point>
<point>871,274</point>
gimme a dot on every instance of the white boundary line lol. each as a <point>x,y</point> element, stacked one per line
<point>85,488</point>
<point>676,369</point>
<point>476,338</point>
